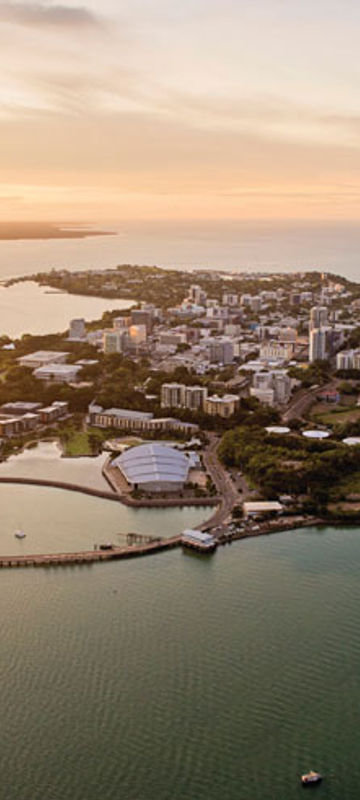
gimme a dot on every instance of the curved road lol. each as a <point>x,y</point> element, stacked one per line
<point>229,495</point>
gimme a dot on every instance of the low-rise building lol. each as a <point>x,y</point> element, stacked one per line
<point>261,507</point>
<point>154,468</point>
<point>42,358</point>
<point>17,422</point>
<point>58,373</point>
<point>128,420</point>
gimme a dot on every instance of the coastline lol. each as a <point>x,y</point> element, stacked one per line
<point>23,231</point>
<point>142,546</point>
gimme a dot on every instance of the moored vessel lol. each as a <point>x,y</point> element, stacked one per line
<point>310,778</point>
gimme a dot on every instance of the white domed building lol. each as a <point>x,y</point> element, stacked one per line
<point>154,468</point>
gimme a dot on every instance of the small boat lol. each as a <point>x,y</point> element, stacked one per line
<point>19,534</point>
<point>310,778</point>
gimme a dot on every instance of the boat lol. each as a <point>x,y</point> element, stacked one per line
<point>19,534</point>
<point>311,778</point>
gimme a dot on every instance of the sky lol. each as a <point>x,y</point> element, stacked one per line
<point>198,109</point>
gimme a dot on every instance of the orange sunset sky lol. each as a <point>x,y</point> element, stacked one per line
<point>203,109</point>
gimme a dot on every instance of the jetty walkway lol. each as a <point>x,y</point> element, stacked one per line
<point>89,556</point>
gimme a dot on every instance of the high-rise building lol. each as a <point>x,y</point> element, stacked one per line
<point>317,344</point>
<point>141,317</point>
<point>195,397</point>
<point>177,395</point>
<point>230,299</point>
<point>121,323</point>
<point>172,395</point>
<point>221,351</point>
<point>114,341</point>
<point>318,317</point>
<point>77,329</point>
<point>197,295</point>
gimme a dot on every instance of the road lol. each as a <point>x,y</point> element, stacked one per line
<point>303,400</point>
<point>230,496</point>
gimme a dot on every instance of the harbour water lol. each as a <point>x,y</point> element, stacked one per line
<point>29,308</point>
<point>183,677</point>
<point>45,461</point>
<point>60,521</point>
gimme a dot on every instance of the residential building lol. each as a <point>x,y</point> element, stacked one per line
<point>41,358</point>
<point>128,420</point>
<point>177,395</point>
<point>220,351</point>
<point>230,299</point>
<point>121,323</point>
<point>348,359</point>
<point>172,395</point>
<point>77,331</point>
<point>222,406</point>
<point>317,344</point>
<point>197,295</point>
<point>115,341</point>
<point>273,349</point>
<point>318,317</point>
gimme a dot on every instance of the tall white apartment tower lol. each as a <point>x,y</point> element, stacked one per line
<point>318,317</point>
<point>317,344</point>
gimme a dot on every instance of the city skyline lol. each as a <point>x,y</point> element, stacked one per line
<point>150,110</point>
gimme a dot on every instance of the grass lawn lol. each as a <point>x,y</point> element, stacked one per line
<point>338,416</point>
<point>76,443</point>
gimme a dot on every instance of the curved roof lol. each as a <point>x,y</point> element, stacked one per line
<point>316,434</point>
<point>148,463</point>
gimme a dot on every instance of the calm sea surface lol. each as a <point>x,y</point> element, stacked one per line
<point>29,308</point>
<point>183,677</point>
<point>249,246</point>
<point>57,521</point>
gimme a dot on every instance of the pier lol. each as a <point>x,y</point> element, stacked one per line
<point>143,547</point>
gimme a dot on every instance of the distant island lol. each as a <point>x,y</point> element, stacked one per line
<point>46,230</point>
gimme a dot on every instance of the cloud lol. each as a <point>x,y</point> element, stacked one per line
<point>35,14</point>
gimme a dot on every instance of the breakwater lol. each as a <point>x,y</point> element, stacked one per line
<point>161,502</point>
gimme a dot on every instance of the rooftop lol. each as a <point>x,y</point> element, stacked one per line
<point>153,462</point>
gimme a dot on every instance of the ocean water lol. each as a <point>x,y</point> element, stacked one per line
<point>240,246</point>
<point>183,677</point>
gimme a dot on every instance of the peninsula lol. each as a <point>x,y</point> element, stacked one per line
<point>47,230</point>
<point>254,379</point>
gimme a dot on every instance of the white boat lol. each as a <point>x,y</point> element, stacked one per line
<point>311,777</point>
<point>19,534</point>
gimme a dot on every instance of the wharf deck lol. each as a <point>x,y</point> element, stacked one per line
<point>88,556</point>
